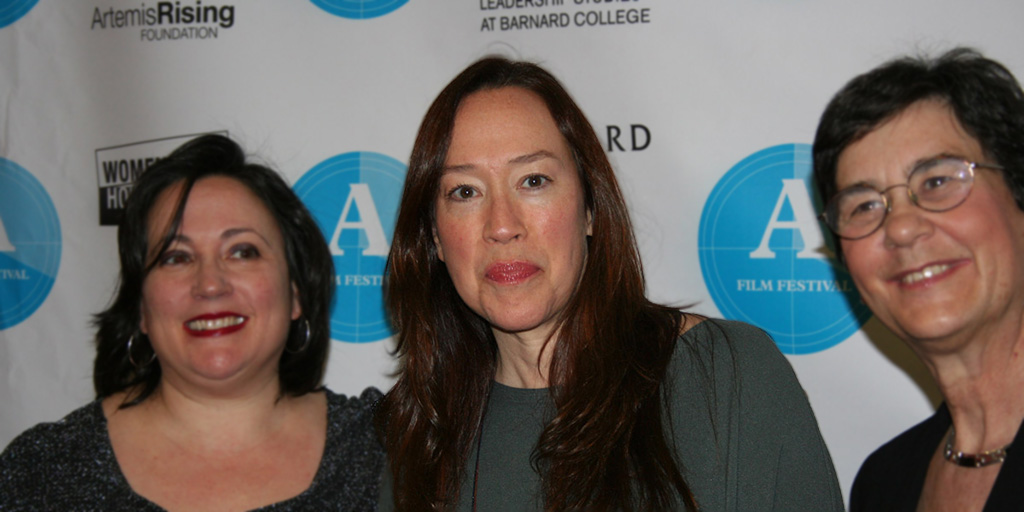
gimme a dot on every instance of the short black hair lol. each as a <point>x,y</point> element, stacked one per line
<point>310,267</point>
<point>983,95</point>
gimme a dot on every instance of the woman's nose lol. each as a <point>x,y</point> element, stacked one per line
<point>504,223</point>
<point>211,280</point>
<point>905,222</point>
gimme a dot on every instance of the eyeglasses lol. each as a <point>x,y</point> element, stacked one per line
<point>935,185</point>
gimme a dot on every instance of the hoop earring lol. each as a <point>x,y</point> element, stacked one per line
<point>132,359</point>
<point>305,342</point>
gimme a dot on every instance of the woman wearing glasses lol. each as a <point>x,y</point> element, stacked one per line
<point>922,160</point>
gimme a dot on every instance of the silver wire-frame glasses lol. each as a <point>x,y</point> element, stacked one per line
<point>935,185</point>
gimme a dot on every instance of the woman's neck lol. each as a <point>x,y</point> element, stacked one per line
<point>981,382</point>
<point>225,453</point>
<point>218,422</point>
<point>523,361</point>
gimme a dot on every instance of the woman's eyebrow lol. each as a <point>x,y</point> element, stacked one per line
<point>533,157</point>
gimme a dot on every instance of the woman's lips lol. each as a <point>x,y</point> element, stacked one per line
<point>510,272</point>
<point>215,324</point>
<point>924,275</point>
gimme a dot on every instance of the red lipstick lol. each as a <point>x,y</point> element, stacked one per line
<point>215,324</point>
<point>511,272</point>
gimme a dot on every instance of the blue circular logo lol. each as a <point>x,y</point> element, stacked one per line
<point>764,255</point>
<point>359,9</point>
<point>13,10</point>
<point>354,198</point>
<point>29,244</point>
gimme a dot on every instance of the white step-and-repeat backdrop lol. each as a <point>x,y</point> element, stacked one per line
<point>707,110</point>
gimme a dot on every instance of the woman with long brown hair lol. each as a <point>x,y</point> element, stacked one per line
<point>534,372</point>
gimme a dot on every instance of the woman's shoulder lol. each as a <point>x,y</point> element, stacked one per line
<point>361,405</point>
<point>705,329</point>
<point>52,438</point>
<point>351,417</point>
<point>53,459</point>
<point>744,346</point>
<point>353,456</point>
<point>759,424</point>
<point>895,472</point>
<point>735,359</point>
<point>914,445</point>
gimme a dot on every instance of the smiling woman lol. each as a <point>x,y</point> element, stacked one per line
<point>923,161</point>
<point>224,273</point>
<point>209,361</point>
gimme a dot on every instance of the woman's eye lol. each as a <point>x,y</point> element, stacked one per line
<point>935,182</point>
<point>174,258</point>
<point>245,252</point>
<point>535,180</point>
<point>865,208</point>
<point>462,193</point>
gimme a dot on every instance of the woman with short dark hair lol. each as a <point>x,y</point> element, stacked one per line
<point>920,161</point>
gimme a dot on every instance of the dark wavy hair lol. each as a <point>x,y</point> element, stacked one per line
<point>310,267</point>
<point>983,95</point>
<point>605,448</point>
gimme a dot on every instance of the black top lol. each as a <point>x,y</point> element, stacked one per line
<point>70,465</point>
<point>892,478</point>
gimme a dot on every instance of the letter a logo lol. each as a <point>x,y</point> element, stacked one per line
<point>354,199</point>
<point>5,243</point>
<point>28,217</point>
<point>368,223</point>
<point>804,221</point>
<point>764,257</point>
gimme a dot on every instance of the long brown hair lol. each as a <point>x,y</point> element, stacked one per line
<point>608,363</point>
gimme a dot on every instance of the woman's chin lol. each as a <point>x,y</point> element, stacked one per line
<point>931,332</point>
<point>215,368</point>
<point>518,325</point>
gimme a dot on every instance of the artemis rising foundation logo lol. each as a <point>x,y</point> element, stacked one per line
<point>167,21</point>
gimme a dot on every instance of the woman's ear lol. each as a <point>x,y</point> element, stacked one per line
<point>437,244</point>
<point>143,328</point>
<point>296,303</point>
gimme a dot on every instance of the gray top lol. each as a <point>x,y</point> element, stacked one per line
<point>70,465</point>
<point>743,430</point>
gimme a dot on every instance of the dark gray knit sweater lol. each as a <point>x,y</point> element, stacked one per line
<point>70,465</point>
